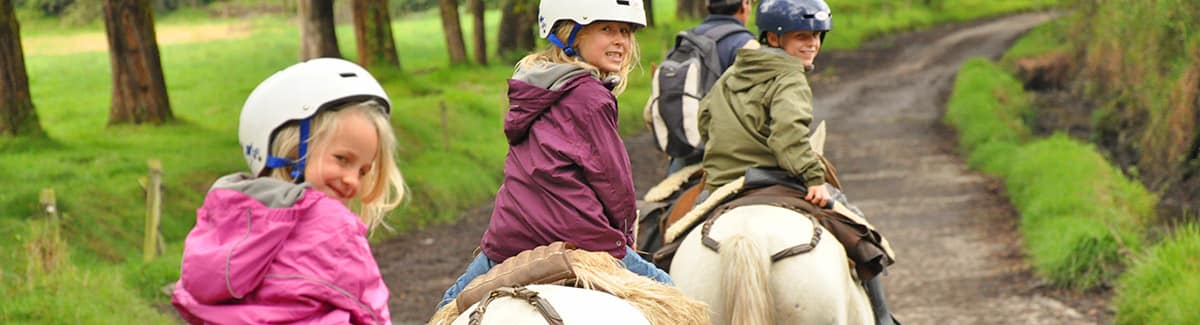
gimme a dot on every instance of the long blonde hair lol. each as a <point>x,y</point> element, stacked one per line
<point>383,184</point>
<point>554,54</point>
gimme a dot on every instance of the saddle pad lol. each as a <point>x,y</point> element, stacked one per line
<point>542,265</point>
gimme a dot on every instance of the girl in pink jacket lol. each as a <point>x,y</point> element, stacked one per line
<point>280,245</point>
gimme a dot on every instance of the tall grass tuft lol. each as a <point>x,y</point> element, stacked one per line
<point>1140,59</point>
<point>1163,287</point>
<point>52,290</point>
<point>1082,219</point>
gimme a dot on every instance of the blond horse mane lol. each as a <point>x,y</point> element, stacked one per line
<point>671,184</point>
<point>659,303</point>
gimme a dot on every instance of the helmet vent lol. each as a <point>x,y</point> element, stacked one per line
<point>348,74</point>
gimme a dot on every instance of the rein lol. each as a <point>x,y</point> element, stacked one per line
<point>529,296</point>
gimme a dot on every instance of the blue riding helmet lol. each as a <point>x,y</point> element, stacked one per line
<point>780,16</point>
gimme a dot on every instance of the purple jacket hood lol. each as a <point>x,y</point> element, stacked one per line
<point>534,88</point>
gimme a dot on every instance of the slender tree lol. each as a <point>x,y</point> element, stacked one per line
<point>649,7</point>
<point>17,116</point>
<point>139,92</point>
<point>453,31</point>
<point>517,22</point>
<point>479,33</point>
<point>317,39</point>
<point>373,32</point>
<point>691,8</point>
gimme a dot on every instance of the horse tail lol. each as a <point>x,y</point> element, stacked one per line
<point>745,279</point>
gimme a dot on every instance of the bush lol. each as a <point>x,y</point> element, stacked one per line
<point>1081,217</point>
<point>1163,288</point>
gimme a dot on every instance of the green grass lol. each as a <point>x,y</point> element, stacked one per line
<point>1160,284</point>
<point>1162,287</point>
<point>858,21</point>
<point>95,169</point>
<point>1045,39</point>
<point>1081,218</point>
<point>52,290</point>
<point>1141,62</point>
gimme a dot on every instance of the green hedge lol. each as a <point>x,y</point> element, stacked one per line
<point>1081,218</point>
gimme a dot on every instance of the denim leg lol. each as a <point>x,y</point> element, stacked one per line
<point>478,267</point>
<point>636,264</point>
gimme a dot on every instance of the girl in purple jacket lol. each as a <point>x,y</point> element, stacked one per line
<point>280,245</point>
<point>567,175</point>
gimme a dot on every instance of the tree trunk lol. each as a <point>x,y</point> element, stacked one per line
<point>479,33</point>
<point>691,8</point>
<point>373,31</point>
<point>317,39</point>
<point>516,33</point>
<point>17,116</point>
<point>139,90</point>
<point>453,30</point>
<point>649,6</point>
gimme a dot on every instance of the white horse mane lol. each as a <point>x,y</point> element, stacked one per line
<point>817,139</point>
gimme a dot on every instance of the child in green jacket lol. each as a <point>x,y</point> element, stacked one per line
<point>758,114</point>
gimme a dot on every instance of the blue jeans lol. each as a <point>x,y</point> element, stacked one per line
<point>482,264</point>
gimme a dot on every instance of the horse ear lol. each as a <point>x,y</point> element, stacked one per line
<point>817,139</point>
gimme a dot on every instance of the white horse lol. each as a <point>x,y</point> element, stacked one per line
<point>742,285</point>
<point>572,305</point>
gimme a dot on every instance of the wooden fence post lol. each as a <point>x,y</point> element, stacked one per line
<point>49,204</point>
<point>150,246</point>
<point>445,128</point>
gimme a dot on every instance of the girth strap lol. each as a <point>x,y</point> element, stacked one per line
<point>520,292</point>
<point>749,198</point>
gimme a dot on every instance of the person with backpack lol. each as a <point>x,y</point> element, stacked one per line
<point>733,13</point>
<point>700,56</point>
<point>758,114</point>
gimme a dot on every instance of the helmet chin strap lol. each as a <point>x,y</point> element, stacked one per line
<point>567,48</point>
<point>298,164</point>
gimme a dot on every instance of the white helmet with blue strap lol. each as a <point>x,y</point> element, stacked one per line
<point>296,94</point>
<point>584,12</point>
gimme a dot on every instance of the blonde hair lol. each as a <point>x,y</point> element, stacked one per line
<point>383,185</point>
<point>554,54</point>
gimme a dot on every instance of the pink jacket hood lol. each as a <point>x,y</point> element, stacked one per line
<point>267,251</point>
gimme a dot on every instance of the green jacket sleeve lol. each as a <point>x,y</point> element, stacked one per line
<point>790,113</point>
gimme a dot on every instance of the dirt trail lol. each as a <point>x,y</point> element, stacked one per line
<point>960,257</point>
<point>165,35</point>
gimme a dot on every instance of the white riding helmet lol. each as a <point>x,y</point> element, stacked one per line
<point>297,93</point>
<point>587,11</point>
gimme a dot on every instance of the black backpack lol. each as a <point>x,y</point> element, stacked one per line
<point>690,70</point>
